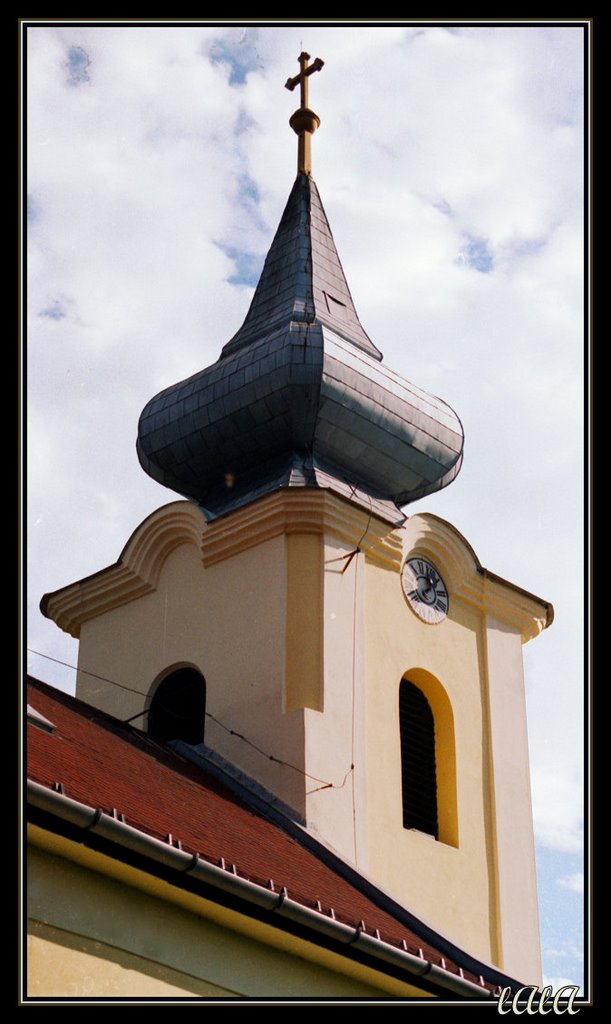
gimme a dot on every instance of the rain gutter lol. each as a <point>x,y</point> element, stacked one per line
<point>226,879</point>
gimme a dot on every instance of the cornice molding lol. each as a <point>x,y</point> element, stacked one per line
<point>285,512</point>
<point>469,581</point>
<point>137,569</point>
<point>302,510</point>
<point>135,573</point>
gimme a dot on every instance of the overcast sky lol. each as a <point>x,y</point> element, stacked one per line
<point>449,162</point>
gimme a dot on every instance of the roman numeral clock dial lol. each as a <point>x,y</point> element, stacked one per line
<point>425,590</point>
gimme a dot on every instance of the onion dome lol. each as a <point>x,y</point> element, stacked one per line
<point>299,396</point>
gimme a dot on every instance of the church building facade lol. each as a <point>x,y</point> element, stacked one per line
<point>353,671</point>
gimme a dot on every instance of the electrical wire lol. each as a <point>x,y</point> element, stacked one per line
<point>232,732</point>
<point>353,724</point>
<point>104,679</point>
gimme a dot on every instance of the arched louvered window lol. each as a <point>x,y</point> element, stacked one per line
<point>418,769</point>
<point>178,708</point>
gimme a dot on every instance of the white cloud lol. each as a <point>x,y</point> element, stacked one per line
<point>573,882</point>
<point>567,950</point>
<point>557,983</point>
<point>428,138</point>
<point>134,179</point>
<point>557,808</point>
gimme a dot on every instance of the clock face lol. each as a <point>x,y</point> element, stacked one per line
<point>425,590</point>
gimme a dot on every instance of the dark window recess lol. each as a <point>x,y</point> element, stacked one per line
<point>418,773</point>
<point>178,708</point>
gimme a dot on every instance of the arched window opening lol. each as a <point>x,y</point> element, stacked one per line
<point>418,764</point>
<point>178,707</point>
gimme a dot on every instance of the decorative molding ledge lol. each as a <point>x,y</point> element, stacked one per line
<point>468,580</point>
<point>134,574</point>
<point>302,510</point>
<point>291,511</point>
<point>285,512</point>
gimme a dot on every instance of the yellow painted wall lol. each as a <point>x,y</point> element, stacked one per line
<point>335,739</point>
<point>303,644</point>
<point>449,884</point>
<point>512,809</point>
<point>63,963</point>
<point>477,882</point>
<point>228,621</point>
<point>303,633</point>
<point>94,935</point>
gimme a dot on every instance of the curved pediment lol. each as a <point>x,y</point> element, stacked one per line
<point>134,574</point>
<point>469,581</point>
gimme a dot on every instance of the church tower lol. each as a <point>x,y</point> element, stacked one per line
<point>288,622</point>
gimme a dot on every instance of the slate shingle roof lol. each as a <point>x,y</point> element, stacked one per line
<point>299,396</point>
<point>302,279</point>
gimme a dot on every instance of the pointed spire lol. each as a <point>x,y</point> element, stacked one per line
<point>302,280</point>
<point>298,397</point>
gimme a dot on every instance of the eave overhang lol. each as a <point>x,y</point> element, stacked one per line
<point>90,828</point>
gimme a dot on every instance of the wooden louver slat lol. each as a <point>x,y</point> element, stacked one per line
<point>418,769</point>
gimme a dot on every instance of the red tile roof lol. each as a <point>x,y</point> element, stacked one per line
<point>104,763</point>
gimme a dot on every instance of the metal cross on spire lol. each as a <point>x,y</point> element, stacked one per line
<point>304,121</point>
